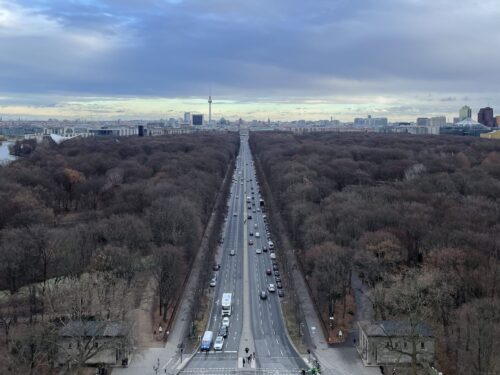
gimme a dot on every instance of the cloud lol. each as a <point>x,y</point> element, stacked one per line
<point>365,52</point>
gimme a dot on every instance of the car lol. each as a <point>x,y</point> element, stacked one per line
<point>254,211</point>
<point>258,251</point>
<point>271,288</point>
<point>281,293</point>
<point>225,321</point>
<point>249,217</point>
<point>249,207</point>
<point>258,209</point>
<point>219,343</point>
<point>276,273</point>
<point>223,331</point>
<point>256,225</point>
<point>251,234</point>
<point>250,242</point>
<point>279,285</point>
<point>257,234</point>
<point>273,256</point>
<point>235,214</point>
<point>269,272</point>
<point>277,279</point>
<point>216,267</point>
<point>275,267</point>
<point>263,295</point>
<point>264,249</point>
<point>232,252</point>
<point>213,282</point>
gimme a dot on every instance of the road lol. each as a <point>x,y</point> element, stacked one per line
<point>255,323</point>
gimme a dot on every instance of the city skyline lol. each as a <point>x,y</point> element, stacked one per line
<point>286,60</point>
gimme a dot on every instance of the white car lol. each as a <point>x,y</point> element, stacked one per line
<point>258,251</point>
<point>225,321</point>
<point>257,234</point>
<point>219,342</point>
<point>213,282</point>
<point>271,288</point>
<point>273,256</point>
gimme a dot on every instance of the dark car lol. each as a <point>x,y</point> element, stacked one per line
<point>278,285</point>
<point>264,249</point>
<point>276,273</point>
<point>249,217</point>
<point>275,267</point>
<point>269,272</point>
<point>223,331</point>
<point>263,295</point>
<point>250,242</point>
<point>277,279</point>
<point>281,293</point>
<point>216,267</point>
<point>251,234</point>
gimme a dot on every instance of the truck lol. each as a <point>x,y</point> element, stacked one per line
<point>226,304</point>
<point>206,341</point>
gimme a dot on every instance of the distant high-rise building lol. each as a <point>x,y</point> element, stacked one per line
<point>423,121</point>
<point>497,120</point>
<point>197,120</point>
<point>465,112</point>
<point>438,121</point>
<point>187,118</point>
<point>485,116</point>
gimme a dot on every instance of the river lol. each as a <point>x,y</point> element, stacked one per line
<point>5,157</point>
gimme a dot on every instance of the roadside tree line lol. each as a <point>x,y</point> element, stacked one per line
<point>114,210</point>
<point>416,217</point>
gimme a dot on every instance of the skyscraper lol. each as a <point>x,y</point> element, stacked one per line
<point>485,116</point>
<point>438,121</point>
<point>465,112</point>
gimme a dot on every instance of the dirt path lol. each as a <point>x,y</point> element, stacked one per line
<point>143,319</point>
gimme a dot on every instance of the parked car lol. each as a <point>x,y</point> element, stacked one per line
<point>275,267</point>
<point>216,267</point>
<point>278,285</point>
<point>277,279</point>
<point>276,273</point>
<point>281,293</point>
<point>213,282</point>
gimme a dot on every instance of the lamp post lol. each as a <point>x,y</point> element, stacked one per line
<point>156,367</point>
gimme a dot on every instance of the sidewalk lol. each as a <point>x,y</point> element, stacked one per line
<point>168,358</point>
<point>339,360</point>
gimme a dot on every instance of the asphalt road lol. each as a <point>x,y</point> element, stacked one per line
<point>273,350</point>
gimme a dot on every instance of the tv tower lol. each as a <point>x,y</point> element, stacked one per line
<point>210,110</point>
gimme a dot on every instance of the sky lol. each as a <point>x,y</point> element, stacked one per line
<point>260,59</point>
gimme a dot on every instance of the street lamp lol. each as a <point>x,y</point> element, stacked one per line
<point>156,367</point>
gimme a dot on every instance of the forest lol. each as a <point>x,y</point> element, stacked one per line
<point>85,224</point>
<point>417,218</point>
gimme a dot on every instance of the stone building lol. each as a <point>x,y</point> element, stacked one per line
<point>389,342</point>
<point>94,343</point>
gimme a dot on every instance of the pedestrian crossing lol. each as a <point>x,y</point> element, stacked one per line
<point>228,371</point>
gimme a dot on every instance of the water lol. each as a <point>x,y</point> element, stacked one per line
<point>5,157</point>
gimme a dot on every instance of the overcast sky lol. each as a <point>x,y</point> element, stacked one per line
<point>283,59</point>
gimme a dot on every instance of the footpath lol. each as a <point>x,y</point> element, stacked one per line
<point>167,359</point>
<point>342,359</point>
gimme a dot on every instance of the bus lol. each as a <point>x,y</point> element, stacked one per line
<point>206,341</point>
<point>226,304</point>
